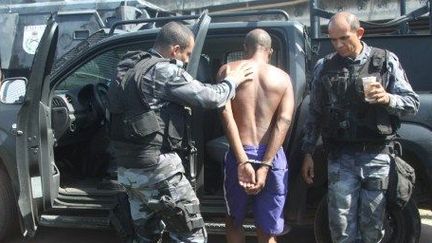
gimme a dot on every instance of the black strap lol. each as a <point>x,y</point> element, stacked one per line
<point>141,68</point>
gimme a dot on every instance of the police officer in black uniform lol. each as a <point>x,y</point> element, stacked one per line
<point>358,124</point>
<point>148,120</point>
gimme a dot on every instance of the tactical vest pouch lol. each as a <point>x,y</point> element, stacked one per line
<point>178,217</point>
<point>347,116</point>
<point>141,125</point>
<point>174,118</point>
<point>175,132</point>
<point>401,183</point>
<point>383,122</point>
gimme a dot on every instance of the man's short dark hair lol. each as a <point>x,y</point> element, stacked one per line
<point>256,38</point>
<point>174,33</point>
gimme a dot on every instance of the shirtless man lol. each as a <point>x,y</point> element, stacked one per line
<point>256,122</point>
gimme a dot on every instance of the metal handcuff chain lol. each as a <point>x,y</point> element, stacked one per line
<point>256,162</point>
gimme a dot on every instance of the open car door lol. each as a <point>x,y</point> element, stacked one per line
<point>199,29</point>
<point>34,142</point>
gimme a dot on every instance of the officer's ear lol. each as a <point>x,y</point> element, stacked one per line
<point>360,32</point>
<point>175,49</point>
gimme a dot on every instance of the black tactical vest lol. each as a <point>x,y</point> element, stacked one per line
<point>347,116</point>
<point>132,119</point>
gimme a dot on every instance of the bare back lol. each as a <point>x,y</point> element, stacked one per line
<point>255,106</point>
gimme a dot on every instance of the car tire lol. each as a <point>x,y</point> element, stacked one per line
<point>401,225</point>
<point>8,218</point>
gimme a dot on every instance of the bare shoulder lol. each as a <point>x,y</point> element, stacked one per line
<point>278,71</point>
<point>221,73</point>
<point>277,76</point>
<point>239,63</point>
<point>232,65</point>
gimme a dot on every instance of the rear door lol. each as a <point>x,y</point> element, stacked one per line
<point>34,143</point>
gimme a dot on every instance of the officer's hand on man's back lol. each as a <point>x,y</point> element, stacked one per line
<point>240,73</point>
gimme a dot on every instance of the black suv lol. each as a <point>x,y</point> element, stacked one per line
<point>55,160</point>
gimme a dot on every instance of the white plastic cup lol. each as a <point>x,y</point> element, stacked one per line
<point>367,81</point>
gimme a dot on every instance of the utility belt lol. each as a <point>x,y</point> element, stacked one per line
<point>390,147</point>
<point>384,147</point>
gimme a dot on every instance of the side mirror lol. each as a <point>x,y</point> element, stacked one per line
<point>13,90</point>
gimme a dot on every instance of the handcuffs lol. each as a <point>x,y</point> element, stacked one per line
<point>257,162</point>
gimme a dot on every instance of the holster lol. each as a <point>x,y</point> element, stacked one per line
<point>178,217</point>
<point>189,157</point>
<point>121,218</point>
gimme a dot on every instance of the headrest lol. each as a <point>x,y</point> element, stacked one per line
<point>204,73</point>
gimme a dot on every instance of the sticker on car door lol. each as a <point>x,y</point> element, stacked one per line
<point>32,37</point>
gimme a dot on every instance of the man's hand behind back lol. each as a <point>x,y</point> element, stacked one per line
<point>261,176</point>
<point>246,175</point>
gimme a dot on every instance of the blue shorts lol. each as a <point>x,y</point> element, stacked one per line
<point>268,204</point>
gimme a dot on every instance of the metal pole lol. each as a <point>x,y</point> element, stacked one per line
<point>314,20</point>
<point>430,16</point>
<point>404,28</point>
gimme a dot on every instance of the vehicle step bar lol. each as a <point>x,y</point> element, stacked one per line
<point>58,204</point>
<point>86,199</point>
<point>76,191</point>
<point>63,221</point>
<point>219,229</point>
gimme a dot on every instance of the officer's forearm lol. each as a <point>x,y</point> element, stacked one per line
<point>209,96</point>
<point>312,132</point>
<point>403,105</point>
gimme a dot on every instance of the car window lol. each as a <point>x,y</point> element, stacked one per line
<point>101,69</point>
<point>98,70</point>
<point>238,55</point>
